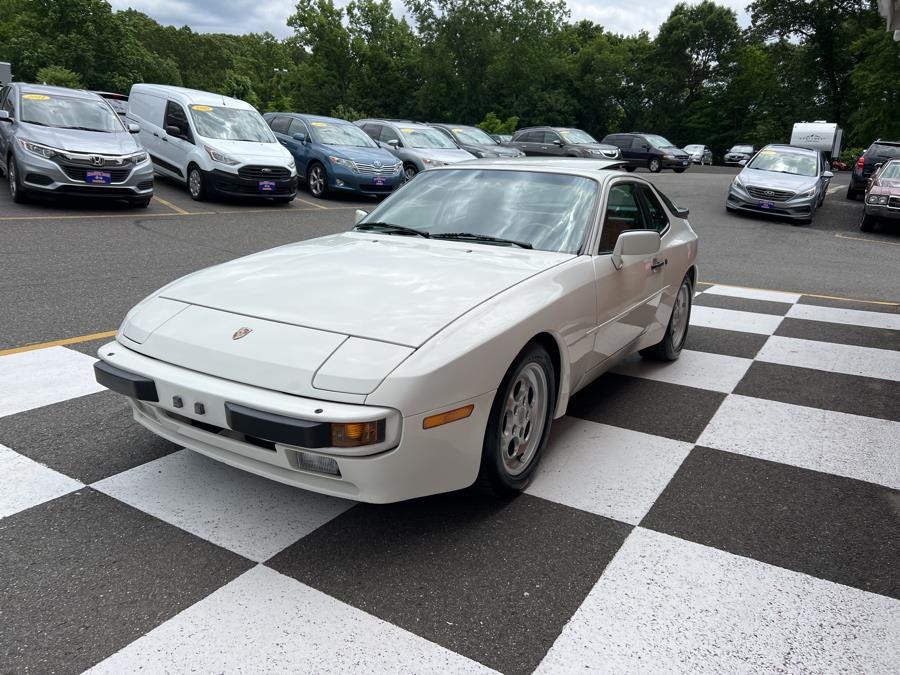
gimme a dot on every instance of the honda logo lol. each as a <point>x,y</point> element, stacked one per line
<point>97,160</point>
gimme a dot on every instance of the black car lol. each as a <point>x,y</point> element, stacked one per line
<point>878,153</point>
<point>649,150</point>
<point>476,141</point>
<point>561,142</point>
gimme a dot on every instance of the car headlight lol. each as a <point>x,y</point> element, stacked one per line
<point>880,200</point>
<point>138,158</point>
<point>808,193</point>
<point>433,162</point>
<point>668,156</point>
<point>738,183</point>
<point>291,164</point>
<point>38,149</point>
<point>348,164</point>
<point>397,167</point>
<point>219,157</point>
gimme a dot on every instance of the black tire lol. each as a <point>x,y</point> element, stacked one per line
<point>409,172</point>
<point>629,169</point>
<point>196,182</point>
<point>851,193</point>
<point>141,203</point>
<point>317,180</point>
<point>654,165</point>
<point>16,191</point>
<point>867,223</point>
<point>669,348</point>
<point>679,170</point>
<point>494,476</point>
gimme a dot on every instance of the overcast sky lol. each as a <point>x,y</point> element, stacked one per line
<point>246,16</point>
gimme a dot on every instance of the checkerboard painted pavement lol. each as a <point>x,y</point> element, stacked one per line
<point>736,511</point>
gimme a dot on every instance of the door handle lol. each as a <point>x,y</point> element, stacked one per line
<point>656,264</point>
<point>156,134</point>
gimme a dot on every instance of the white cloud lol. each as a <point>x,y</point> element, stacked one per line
<point>251,16</point>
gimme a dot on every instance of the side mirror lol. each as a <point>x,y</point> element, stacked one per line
<point>134,128</point>
<point>394,143</point>
<point>358,215</point>
<point>635,242</point>
<point>301,138</point>
<point>495,137</point>
<point>4,116</point>
<point>172,130</point>
<point>645,146</point>
<point>742,162</point>
<point>827,174</point>
<point>682,212</point>
<point>557,142</point>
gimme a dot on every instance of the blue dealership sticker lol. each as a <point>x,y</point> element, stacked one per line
<point>267,186</point>
<point>98,177</point>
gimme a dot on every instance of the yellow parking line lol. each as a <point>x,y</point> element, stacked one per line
<point>318,206</point>
<point>871,241</point>
<point>58,343</point>
<point>104,215</point>
<point>886,303</point>
<point>176,209</point>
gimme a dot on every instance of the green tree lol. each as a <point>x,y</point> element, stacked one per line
<point>494,125</point>
<point>876,83</point>
<point>59,76</point>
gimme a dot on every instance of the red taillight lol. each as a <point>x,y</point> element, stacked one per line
<point>860,163</point>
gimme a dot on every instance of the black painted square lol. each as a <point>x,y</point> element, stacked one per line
<point>845,334</point>
<point>727,342</point>
<point>742,304</point>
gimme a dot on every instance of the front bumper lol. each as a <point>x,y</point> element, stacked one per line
<point>42,175</point>
<point>341,179</point>
<point>799,208</point>
<point>233,185</point>
<point>676,163</point>
<point>884,210</point>
<point>411,462</point>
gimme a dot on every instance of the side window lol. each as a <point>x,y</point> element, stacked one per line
<point>638,143</point>
<point>655,211</point>
<point>530,137</point>
<point>446,133</point>
<point>373,130</point>
<point>176,117</point>
<point>6,101</point>
<point>280,124</point>
<point>551,137</point>
<point>622,213</point>
<point>297,127</point>
<point>388,134</point>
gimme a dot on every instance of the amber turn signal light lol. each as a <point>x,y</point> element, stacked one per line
<point>355,434</point>
<point>447,417</point>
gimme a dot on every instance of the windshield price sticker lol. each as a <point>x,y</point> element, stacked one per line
<point>35,97</point>
<point>201,108</point>
<point>319,124</point>
<point>407,131</point>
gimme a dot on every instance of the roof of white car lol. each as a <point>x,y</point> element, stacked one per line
<point>589,168</point>
<point>192,96</point>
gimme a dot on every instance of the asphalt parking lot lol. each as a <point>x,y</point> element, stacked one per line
<point>739,510</point>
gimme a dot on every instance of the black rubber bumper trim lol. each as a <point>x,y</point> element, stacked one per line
<point>278,428</point>
<point>125,382</point>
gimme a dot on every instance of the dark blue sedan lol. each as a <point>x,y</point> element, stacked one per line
<point>335,155</point>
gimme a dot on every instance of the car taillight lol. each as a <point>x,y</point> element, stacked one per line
<point>860,163</point>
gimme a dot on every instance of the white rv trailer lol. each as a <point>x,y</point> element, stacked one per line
<point>818,135</point>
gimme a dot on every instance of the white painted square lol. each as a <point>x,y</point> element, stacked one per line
<point>754,294</point>
<point>703,370</point>
<point>25,483</point>
<point>833,358</point>
<point>823,440</point>
<point>250,515</point>
<point>731,319</point>
<point>43,376</point>
<point>265,622</point>
<point>855,317</point>
<point>613,472</point>
<point>665,605</point>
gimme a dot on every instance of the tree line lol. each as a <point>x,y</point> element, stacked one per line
<point>701,79</point>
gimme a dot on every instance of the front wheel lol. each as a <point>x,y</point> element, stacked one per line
<point>669,348</point>
<point>851,193</point>
<point>654,165</point>
<point>197,184</point>
<point>866,223</point>
<point>519,425</point>
<point>317,181</point>
<point>629,169</point>
<point>409,172</point>
<point>16,191</point>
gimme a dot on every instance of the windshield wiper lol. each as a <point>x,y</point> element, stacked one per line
<point>470,236</point>
<point>40,124</point>
<point>390,228</point>
<point>86,129</point>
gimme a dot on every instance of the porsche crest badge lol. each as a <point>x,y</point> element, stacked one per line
<point>241,332</point>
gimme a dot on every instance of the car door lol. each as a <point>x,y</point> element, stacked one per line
<point>628,299</point>
<point>301,150</point>
<point>529,142</point>
<point>640,150</point>
<point>553,145</point>
<point>174,149</point>
<point>7,103</point>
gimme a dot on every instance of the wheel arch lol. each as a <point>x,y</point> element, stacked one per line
<point>551,343</point>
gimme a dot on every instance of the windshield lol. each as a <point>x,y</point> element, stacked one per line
<point>425,137</point>
<point>658,141</point>
<point>693,148</point>
<point>577,136</point>
<point>785,162</point>
<point>341,134</point>
<point>472,135</point>
<point>231,124</point>
<point>883,151</point>
<point>747,149</point>
<point>891,171</point>
<point>69,113</point>
<point>549,211</point>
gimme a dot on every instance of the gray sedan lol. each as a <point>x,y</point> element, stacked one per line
<point>418,146</point>
<point>56,141</point>
<point>781,180</point>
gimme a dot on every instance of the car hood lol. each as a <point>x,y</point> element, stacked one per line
<point>735,153</point>
<point>773,179</point>
<point>677,152</point>
<point>886,186</point>
<point>77,140</point>
<point>491,150</point>
<point>393,289</point>
<point>251,151</point>
<point>360,154</point>
<point>449,155</point>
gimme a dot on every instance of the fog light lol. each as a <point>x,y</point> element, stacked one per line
<point>339,182</point>
<point>355,434</point>
<point>317,464</point>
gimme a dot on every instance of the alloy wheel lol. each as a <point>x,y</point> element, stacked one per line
<point>317,181</point>
<point>195,183</point>
<point>409,172</point>
<point>523,418</point>
<point>654,165</point>
<point>680,314</point>
<point>11,175</point>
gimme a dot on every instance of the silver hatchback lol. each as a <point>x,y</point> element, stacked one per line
<point>57,141</point>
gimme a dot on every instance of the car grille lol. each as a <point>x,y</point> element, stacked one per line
<point>894,202</point>
<point>102,161</point>
<point>264,172</point>
<point>80,173</point>
<point>372,170</point>
<point>770,194</point>
<point>612,154</point>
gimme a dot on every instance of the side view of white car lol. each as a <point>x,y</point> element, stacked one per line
<point>429,347</point>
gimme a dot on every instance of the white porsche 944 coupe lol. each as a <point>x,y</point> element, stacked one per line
<point>426,349</point>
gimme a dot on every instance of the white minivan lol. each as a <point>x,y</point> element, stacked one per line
<point>213,143</point>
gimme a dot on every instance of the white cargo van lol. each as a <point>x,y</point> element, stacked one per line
<point>819,135</point>
<point>212,143</point>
